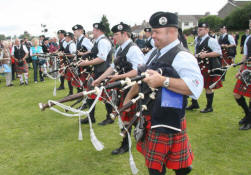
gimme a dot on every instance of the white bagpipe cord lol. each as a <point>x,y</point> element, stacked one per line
<point>55,88</point>
<point>132,164</point>
<point>55,83</point>
<point>96,143</point>
<point>80,135</point>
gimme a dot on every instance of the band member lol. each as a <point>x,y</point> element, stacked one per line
<point>228,47</point>
<point>102,56</point>
<point>62,43</point>
<point>84,45</point>
<point>127,58</point>
<point>162,146</point>
<point>70,49</point>
<point>242,89</point>
<point>149,40</point>
<point>207,52</point>
<point>20,52</point>
<point>243,39</point>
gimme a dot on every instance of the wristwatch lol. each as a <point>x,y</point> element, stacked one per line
<point>166,82</point>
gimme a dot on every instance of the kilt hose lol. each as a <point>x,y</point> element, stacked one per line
<point>170,150</point>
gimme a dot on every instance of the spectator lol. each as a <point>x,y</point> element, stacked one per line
<point>35,50</point>
<point>140,41</point>
<point>20,52</point>
<point>5,60</point>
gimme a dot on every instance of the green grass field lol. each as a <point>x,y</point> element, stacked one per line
<point>45,143</point>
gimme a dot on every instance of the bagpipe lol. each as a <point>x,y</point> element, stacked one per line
<point>227,55</point>
<point>245,75</point>
<point>209,65</point>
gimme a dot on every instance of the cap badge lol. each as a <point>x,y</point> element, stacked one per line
<point>120,27</point>
<point>163,21</point>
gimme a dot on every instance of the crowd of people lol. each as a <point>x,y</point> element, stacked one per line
<point>163,54</point>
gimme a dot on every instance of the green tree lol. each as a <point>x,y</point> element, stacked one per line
<point>213,21</point>
<point>239,19</point>
<point>25,35</point>
<point>105,22</point>
<point>2,37</point>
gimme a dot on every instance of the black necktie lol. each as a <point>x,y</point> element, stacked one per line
<point>119,51</point>
<point>155,59</point>
<point>198,40</point>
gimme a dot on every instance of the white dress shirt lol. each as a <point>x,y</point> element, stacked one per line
<point>86,43</point>
<point>13,49</point>
<point>245,49</point>
<point>134,55</point>
<point>212,44</point>
<point>104,47</point>
<point>186,66</point>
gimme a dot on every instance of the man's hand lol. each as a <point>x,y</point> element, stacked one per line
<point>95,82</point>
<point>203,55</point>
<point>80,53</point>
<point>83,63</point>
<point>114,77</point>
<point>154,80</point>
<point>237,75</point>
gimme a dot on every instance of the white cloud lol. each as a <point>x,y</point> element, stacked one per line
<point>18,16</point>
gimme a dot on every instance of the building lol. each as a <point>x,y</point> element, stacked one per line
<point>230,7</point>
<point>189,21</point>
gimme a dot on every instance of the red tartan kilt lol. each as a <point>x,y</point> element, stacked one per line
<point>103,96</point>
<point>126,116</point>
<point>83,77</point>
<point>172,150</point>
<point>209,80</point>
<point>68,75</point>
<point>21,69</point>
<point>241,88</point>
<point>226,61</point>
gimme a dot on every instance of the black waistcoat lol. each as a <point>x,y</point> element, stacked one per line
<point>80,47</point>
<point>214,62</point>
<point>121,64</point>
<point>67,49</point>
<point>166,115</point>
<point>100,68</point>
<point>148,43</point>
<point>224,40</point>
<point>61,48</point>
<point>249,47</point>
<point>19,53</point>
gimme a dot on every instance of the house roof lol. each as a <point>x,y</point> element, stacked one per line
<point>235,4</point>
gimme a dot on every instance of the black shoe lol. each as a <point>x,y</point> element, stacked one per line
<point>246,126</point>
<point>192,106</point>
<point>21,84</point>
<point>242,121</point>
<point>206,110</point>
<point>60,88</point>
<point>120,150</point>
<point>70,93</point>
<point>183,171</point>
<point>86,121</point>
<point>106,121</point>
